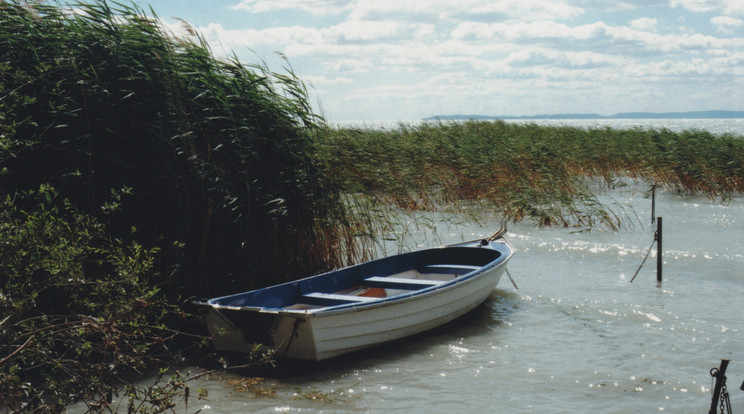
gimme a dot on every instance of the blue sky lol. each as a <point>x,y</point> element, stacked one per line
<point>403,60</point>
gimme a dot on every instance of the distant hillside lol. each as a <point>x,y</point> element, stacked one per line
<point>624,115</point>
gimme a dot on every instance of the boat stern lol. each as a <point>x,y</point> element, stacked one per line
<point>287,333</point>
<point>237,330</point>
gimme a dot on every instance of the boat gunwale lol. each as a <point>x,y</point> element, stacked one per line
<point>505,254</point>
<point>387,301</point>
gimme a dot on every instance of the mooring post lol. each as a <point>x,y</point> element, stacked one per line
<point>658,250</point>
<point>653,203</point>
<point>720,376</point>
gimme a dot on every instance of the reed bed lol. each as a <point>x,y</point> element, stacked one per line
<point>138,171</point>
<point>525,171</point>
<point>207,159</point>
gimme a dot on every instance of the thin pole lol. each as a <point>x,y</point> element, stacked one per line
<point>658,250</point>
<point>653,204</point>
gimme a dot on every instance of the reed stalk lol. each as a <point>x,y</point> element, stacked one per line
<point>525,171</point>
<point>210,160</point>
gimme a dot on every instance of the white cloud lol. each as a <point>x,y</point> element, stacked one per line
<point>363,31</point>
<point>252,37</point>
<point>377,9</point>
<point>319,7</point>
<point>351,66</point>
<point>597,36</point>
<point>322,81</point>
<point>726,24</point>
<point>528,9</point>
<point>559,59</point>
<point>339,34</point>
<point>415,58</point>
<point>726,6</point>
<point>734,7</point>
<point>644,24</point>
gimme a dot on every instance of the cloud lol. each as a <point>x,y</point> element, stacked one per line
<point>413,9</point>
<point>557,59</point>
<point>698,5</point>
<point>253,37</point>
<point>732,7</point>
<point>644,24</point>
<point>318,7</point>
<point>726,24</point>
<point>598,36</point>
<point>529,10</point>
<point>420,57</point>
<point>348,32</point>
<point>322,81</point>
<point>472,9</point>
<point>363,31</point>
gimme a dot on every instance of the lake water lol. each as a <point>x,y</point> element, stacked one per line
<point>576,336</point>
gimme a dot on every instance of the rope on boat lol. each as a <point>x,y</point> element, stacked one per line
<point>499,234</point>
<point>648,253</point>
<point>292,336</point>
<point>511,279</point>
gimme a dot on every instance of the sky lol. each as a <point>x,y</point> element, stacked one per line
<point>404,60</point>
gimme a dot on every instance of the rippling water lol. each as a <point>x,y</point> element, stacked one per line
<point>575,337</point>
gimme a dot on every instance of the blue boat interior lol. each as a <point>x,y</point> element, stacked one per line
<point>372,281</point>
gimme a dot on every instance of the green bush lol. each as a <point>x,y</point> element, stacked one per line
<point>78,318</point>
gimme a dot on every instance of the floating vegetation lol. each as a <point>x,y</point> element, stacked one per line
<point>338,396</point>
<point>253,385</point>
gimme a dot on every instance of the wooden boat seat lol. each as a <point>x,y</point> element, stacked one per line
<point>330,299</point>
<point>401,283</point>
<point>451,269</point>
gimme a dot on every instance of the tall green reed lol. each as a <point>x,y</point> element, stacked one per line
<point>526,171</point>
<point>208,159</point>
<point>134,168</point>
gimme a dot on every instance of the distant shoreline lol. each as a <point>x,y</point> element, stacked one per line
<point>624,115</point>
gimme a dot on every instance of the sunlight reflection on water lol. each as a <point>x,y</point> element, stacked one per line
<point>576,336</point>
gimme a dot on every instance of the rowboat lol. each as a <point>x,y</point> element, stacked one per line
<point>362,305</point>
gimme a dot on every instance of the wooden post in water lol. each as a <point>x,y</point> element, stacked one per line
<point>658,250</point>
<point>653,203</point>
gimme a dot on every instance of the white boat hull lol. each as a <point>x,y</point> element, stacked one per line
<point>325,332</point>
<point>332,335</point>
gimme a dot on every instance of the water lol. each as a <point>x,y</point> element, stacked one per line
<point>715,126</point>
<point>575,337</point>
